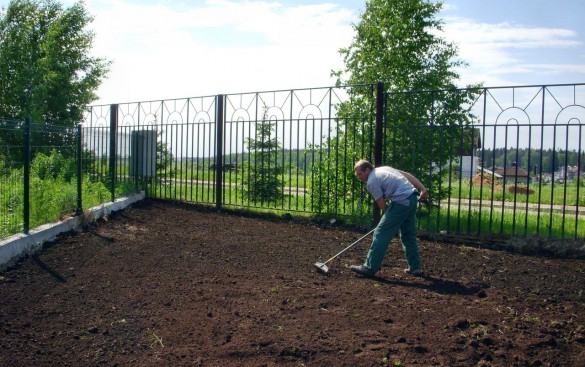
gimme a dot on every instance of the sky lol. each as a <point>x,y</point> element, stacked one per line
<point>163,49</point>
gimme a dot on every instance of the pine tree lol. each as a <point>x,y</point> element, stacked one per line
<point>262,173</point>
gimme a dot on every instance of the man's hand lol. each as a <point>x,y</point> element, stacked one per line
<point>416,183</point>
<point>381,204</point>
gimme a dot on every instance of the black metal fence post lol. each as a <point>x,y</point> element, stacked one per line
<point>26,203</point>
<point>379,130</point>
<point>220,120</point>
<point>79,209</point>
<point>378,138</point>
<point>113,128</point>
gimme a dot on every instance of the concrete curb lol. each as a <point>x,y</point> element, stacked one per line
<point>14,247</point>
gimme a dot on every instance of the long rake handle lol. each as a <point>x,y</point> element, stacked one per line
<point>350,246</point>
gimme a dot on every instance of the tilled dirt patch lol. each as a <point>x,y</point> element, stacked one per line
<point>162,284</point>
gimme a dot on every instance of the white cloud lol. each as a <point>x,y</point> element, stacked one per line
<point>221,46</point>
<point>171,49</point>
<point>507,35</point>
<point>497,53</point>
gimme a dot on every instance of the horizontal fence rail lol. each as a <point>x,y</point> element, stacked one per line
<point>499,162</point>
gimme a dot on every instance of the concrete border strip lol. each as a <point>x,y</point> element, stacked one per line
<point>14,247</point>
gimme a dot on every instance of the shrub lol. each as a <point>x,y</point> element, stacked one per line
<point>53,166</point>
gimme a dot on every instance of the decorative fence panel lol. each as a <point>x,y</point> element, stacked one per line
<point>499,162</point>
<point>165,147</point>
<point>517,168</point>
<point>302,125</point>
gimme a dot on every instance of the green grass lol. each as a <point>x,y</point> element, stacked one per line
<point>234,197</point>
<point>548,225</point>
<point>558,194</point>
<point>568,194</point>
<point>453,220</point>
<point>54,197</point>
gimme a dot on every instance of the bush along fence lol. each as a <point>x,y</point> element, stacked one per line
<point>498,162</point>
<point>42,178</point>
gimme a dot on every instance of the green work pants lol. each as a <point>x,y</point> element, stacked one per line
<point>401,219</point>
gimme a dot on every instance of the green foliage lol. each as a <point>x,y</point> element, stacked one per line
<point>3,165</point>
<point>94,193</point>
<point>397,42</point>
<point>334,183</point>
<point>51,198</point>
<point>53,166</point>
<point>46,71</point>
<point>88,160</point>
<point>262,173</point>
<point>53,192</point>
<point>164,160</point>
<point>14,178</point>
<point>53,186</point>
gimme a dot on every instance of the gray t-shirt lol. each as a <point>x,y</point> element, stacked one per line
<point>391,184</point>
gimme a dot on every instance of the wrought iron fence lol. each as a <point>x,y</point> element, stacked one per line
<point>299,146</point>
<point>519,165</point>
<point>201,161</point>
<point>40,190</point>
<point>11,183</point>
<point>498,161</point>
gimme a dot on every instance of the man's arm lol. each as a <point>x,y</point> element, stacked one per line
<point>381,204</point>
<point>416,183</point>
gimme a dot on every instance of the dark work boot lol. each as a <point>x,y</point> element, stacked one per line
<point>362,270</point>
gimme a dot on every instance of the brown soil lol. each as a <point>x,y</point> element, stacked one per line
<point>487,181</point>
<point>164,284</point>
<point>520,190</point>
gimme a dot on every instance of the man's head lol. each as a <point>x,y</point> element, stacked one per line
<point>362,169</point>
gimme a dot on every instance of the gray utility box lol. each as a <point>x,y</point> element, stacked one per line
<point>143,153</point>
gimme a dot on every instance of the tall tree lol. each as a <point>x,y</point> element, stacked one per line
<point>46,70</point>
<point>398,42</point>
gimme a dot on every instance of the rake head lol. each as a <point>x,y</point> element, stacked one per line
<point>321,268</point>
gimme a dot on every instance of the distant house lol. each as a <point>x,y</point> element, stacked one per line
<point>572,173</point>
<point>514,175</point>
<point>544,177</point>
<point>568,173</point>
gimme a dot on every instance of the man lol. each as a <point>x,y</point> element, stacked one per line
<point>402,190</point>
